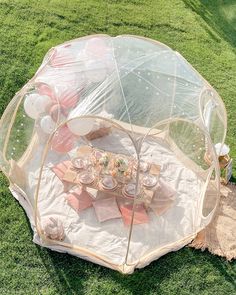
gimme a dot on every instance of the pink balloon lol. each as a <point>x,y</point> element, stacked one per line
<point>44,89</point>
<point>56,112</point>
<point>69,98</point>
<point>63,141</point>
<point>62,56</point>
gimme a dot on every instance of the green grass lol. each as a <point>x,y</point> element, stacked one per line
<point>204,32</point>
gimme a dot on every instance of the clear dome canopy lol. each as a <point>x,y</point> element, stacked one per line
<point>110,149</point>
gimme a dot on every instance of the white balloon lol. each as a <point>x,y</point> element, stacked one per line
<point>42,103</point>
<point>95,71</point>
<point>47,124</point>
<point>80,126</point>
<point>30,106</point>
<point>222,149</point>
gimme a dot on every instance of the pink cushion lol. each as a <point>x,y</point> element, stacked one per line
<point>140,214</point>
<point>60,169</point>
<point>106,209</point>
<point>79,200</point>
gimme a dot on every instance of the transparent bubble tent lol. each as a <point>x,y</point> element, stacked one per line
<point>110,150</point>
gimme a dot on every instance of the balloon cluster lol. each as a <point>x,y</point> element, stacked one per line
<point>43,106</point>
<point>58,89</point>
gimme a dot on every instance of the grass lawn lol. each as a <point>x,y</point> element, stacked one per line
<point>204,32</point>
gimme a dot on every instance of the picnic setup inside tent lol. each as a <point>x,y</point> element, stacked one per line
<point>111,150</point>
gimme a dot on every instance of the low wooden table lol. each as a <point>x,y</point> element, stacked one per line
<point>145,196</point>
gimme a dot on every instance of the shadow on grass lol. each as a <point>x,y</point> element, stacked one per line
<point>70,275</point>
<point>219,17</point>
<point>225,269</point>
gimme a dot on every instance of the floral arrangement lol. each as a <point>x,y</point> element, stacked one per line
<point>104,160</point>
<point>121,166</point>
